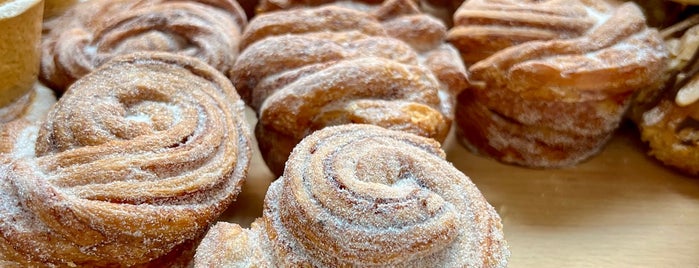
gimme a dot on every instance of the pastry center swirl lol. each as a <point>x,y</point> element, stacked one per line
<point>378,205</point>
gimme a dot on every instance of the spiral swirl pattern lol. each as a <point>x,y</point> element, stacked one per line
<point>93,32</point>
<point>308,68</point>
<point>483,27</point>
<point>135,159</point>
<point>565,71</point>
<point>361,195</point>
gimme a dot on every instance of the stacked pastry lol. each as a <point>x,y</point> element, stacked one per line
<point>129,168</point>
<point>22,100</point>
<point>361,195</point>
<point>308,68</point>
<point>667,116</point>
<point>551,79</point>
<point>91,33</point>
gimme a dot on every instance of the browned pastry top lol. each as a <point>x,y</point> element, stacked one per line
<point>569,50</point>
<point>93,32</point>
<point>601,63</point>
<point>361,195</point>
<point>135,159</point>
<point>304,69</point>
<point>484,27</point>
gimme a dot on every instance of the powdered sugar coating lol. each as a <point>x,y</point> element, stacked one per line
<point>92,187</point>
<point>93,32</point>
<point>307,68</point>
<point>567,75</point>
<point>360,195</point>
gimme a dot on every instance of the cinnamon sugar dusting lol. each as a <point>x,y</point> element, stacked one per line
<point>135,160</point>
<point>360,195</point>
<point>307,68</point>
<point>92,33</point>
<point>558,77</point>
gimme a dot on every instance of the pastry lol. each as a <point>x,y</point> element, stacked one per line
<point>134,162</point>
<point>385,65</point>
<point>93,32</point>
<point>360,196</point>
<point>550,80</point>
<point>441,9</point>
<point>667,115</point>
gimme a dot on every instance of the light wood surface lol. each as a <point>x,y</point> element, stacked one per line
<point>619,209</point>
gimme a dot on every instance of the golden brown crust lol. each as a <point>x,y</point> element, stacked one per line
<point>307,68</point>
<point>487,132</point>
<point>440,9</point>
<point>20,36</point>
<point>93,32</point>
<point>568,75</point>
<point>135,159</point>
<point>361,195</point>
<point>671,134</point>
<point>667,114</point>
<point>484,27</point>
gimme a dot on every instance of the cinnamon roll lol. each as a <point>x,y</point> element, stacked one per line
<point>551,79</point>
<point>93,32</point>
<point>361,195</point>
<point>133,163</point>
<point>668,115</point>
<point>308,68</point>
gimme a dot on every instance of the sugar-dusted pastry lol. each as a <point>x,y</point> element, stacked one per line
<point>551,80</point>
<point>364,196</point>
<point>441,9</point>
<point>308,68</point>
<point>668,116</point>
<point>132,163</point>
<point>94,31</point>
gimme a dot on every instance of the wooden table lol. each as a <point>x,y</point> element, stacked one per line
<point>619,209</point>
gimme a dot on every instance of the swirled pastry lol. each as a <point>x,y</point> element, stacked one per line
<point>441,9</point>
<point>93,32</point>
<point>308,68</point>
<point>551,79</point>
<point>360,196</point>
<point>133,162</point>
<point>669,115</point>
